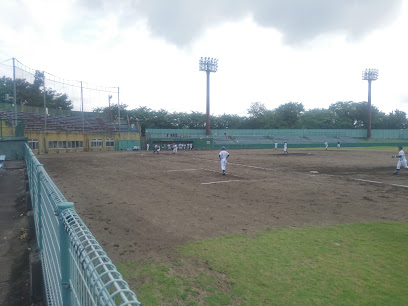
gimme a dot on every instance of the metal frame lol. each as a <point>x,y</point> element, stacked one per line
<point>76,270</point>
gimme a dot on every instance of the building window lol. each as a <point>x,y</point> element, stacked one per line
<point>33,144</point>
<point>110,142</point>
<point>96,143</point>
<point>64,144</point>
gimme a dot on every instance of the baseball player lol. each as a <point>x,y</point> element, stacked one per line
<point>326,144</point>
<point>338,145</point>
<point>402,160</point>
<point>223,155</point>
<point>285,147</point>
<point>276,146</point>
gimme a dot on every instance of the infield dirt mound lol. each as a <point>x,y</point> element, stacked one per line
<point>140,205</point>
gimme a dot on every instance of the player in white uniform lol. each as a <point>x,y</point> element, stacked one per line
<point>326,144</point>
<point>338,145</point>
<point>223,155</point>
<point>402,160</point>
<point>276,145</point>
<point>285,147</point>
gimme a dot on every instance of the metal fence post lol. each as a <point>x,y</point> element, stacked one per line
<point>40,238</point>
<point>65,261</point>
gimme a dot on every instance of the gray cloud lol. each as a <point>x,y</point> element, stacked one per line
<point>182,21</point>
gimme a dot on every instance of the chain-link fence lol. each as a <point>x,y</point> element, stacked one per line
<point>26,89</point>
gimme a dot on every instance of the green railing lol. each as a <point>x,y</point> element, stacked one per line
<point>76,270</point>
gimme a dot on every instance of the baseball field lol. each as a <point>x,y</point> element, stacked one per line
<point>142,207</point>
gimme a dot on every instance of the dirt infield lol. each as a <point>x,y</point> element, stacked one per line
<point>141,205</point>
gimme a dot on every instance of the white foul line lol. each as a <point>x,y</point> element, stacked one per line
<point>182,170</point>
<point>399,185</point>
<point>375,182</point>
<point>220,182</point>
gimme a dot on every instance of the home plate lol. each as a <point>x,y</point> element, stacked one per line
<point>314,171</point>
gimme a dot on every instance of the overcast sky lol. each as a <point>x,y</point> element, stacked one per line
<point>269,51</point>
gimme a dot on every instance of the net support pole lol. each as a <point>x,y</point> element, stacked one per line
<point>119,116</point>
<point>82,108</point>
<point>14,95</point>
<point>45,117</point>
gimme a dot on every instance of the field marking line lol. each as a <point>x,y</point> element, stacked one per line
<point>243,165</point>
<point>368,181</point>
<point>219,182</point>
<point>209,170</point>
<point>397,185</point>
<point>182,170</point>
<point>375,182</point>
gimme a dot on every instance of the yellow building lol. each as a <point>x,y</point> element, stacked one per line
<point>63,134</point>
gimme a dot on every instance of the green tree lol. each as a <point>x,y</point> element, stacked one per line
<point>33,94</point>
<point>396,120</point>
<point>317,119</point>
<point>289,115</point>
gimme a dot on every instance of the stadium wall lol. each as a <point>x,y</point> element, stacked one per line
<point>265,139</point>
<point>13,148</point>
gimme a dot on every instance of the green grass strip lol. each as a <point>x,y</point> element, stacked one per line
<point>360,263</point>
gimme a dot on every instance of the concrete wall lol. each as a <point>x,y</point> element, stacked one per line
<point>13,148</point>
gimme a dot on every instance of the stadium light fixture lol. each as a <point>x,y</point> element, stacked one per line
<point>369,75</point>
<point>208,65</point>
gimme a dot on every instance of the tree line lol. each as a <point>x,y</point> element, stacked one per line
<point>292,115</point>
<point>32,94</point>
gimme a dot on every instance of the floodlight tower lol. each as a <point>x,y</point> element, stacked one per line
<point>369,75</point>
<point>208,65</point>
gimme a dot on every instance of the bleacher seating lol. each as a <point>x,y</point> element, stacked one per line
<point>34,121</point>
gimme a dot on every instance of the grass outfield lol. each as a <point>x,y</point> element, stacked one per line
<point>358,263</point>
<point>379,148</point>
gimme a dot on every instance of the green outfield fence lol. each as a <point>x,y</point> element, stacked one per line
<point>266,139</point>
<point>76,270</point>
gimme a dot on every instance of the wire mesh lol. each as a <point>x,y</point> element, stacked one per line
<point>93,278</point>
<point>83,95</point>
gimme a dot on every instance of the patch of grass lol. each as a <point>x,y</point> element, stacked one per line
<point>344,264</point>
<point>345,148</point>
<point>380,148</point>
<point>162,286</point>
<point>361,263</point>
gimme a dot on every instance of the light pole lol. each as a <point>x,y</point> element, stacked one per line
<point>369,75</point>
<point>208,65</point>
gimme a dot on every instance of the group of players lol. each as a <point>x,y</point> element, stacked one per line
<point>402,161</point>
<point>223,155</point>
